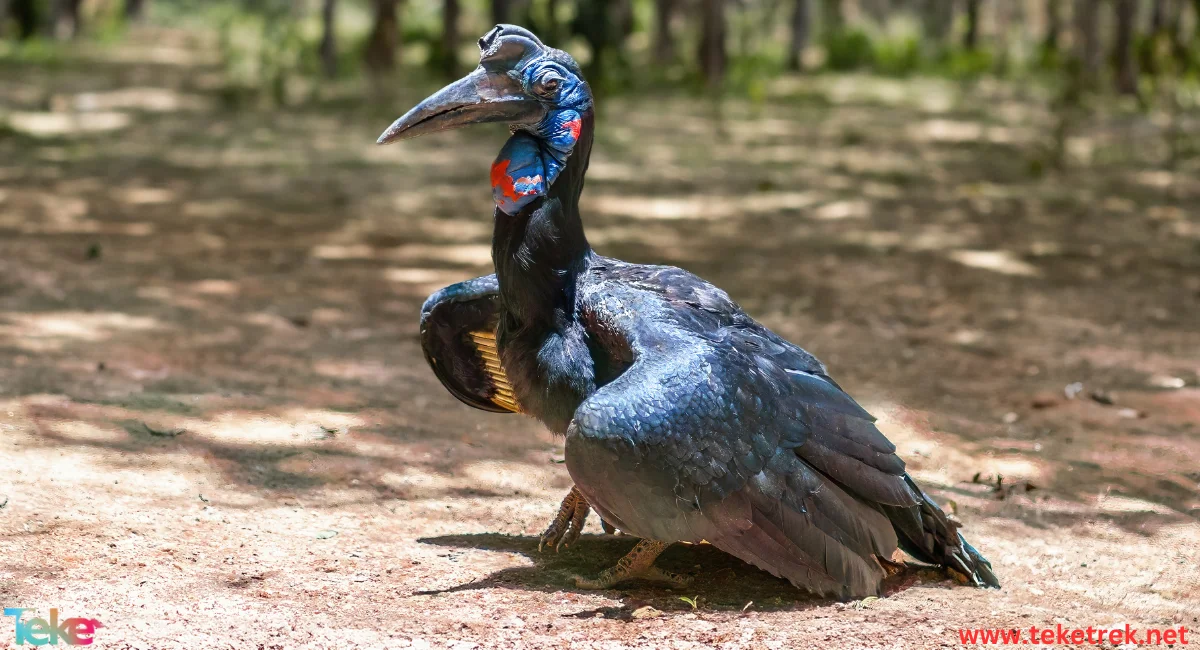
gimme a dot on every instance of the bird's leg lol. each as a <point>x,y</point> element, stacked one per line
<point>638,563</point>
<point>568,523</point>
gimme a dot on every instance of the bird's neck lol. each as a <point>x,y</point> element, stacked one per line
<point>540,249</point>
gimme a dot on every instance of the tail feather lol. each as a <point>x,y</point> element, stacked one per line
<point>927,534</point>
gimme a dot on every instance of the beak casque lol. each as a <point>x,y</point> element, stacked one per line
<point>481,96</point>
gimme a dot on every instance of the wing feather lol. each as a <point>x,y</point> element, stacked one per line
<point>458,337</point>
<point>721,430</point>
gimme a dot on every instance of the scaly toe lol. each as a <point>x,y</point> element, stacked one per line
<point>569,539</point>
<point>547,541</point>
<point>550,538</point>
<point>589,583</point>
<point>674,579</point>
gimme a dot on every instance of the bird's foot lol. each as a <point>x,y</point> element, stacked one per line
<point>958,576</point>
<point>567,524</point>
<point>637,564</point>
<point>891,566</point>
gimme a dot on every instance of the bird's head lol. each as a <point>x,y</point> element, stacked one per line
<point>520,81</point>
<point>535,89</point>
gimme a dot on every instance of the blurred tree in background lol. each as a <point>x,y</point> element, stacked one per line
<point>707,41</point>
<point>1077,50</point>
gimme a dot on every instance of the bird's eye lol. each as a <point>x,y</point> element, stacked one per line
<point>547,84</point>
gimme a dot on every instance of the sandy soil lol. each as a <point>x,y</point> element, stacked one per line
<point>217,430</point>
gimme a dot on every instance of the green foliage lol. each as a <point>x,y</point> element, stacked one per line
<point>898,57</point>
<point>269,48</point>
<point>853,49</point>
<point>262,50</point>
<point>107,25</point>
<point>967,64</point>
<point>749,75</point>
<point>848,48</point>
<point>42,52</point>
<point>1048,59</point>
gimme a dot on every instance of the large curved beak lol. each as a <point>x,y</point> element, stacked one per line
<point>482,96</point>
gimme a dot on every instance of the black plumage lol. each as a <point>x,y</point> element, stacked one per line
<point>685,419</point>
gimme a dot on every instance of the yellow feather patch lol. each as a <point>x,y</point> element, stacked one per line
<point>485,346</point>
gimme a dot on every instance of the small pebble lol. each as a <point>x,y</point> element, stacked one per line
<point>645,612</point>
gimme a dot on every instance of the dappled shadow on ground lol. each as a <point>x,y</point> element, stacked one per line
<point>253,278</point>
<point>719,581</point>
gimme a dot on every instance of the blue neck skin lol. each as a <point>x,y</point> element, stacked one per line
<point>533,157</point>
<point>532,160</point>
<point>538,245</point>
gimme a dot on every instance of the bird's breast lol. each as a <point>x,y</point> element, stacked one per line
<point>551,373</point>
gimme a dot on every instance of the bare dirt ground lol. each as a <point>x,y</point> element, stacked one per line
<point>217,430</point>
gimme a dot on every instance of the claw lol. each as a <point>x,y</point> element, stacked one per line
<point>653,574</point>
<point>578,519</point>
<point>567,524</point>
<point>637,564</point>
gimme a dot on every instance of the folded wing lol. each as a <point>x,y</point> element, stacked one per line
<point>458,336</point>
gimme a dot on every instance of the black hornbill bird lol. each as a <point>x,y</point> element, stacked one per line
<point>685,419</point>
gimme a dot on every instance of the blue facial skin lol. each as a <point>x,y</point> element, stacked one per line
<point>535,155</point>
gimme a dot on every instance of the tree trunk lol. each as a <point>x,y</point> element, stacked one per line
<point>329,38</point>
<point>664,45</point>
<point>800,29</point>
<point>1087,22</point>
<point>1127,82</point>
<point>449,46</point>
<point>971,37</point>
<point>1196,17</point>
<point>937,17</point>
<point>1004,15</point>
<point>876,10</point>
<point>712,42</point>
<point>26,14</point>
<point>1053,26</point>
<point>65,21</point>
<point>1179,44</point>
<point>500,11</point>
<point>381,52</point>
<point>622,21</point>
<point>832,17</point>
<point>1158,16</point>
<point>552,34</point>
<point>135,10</point>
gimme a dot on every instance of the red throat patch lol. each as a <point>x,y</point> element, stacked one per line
<point>501,179</point>
<point>574,125</point>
